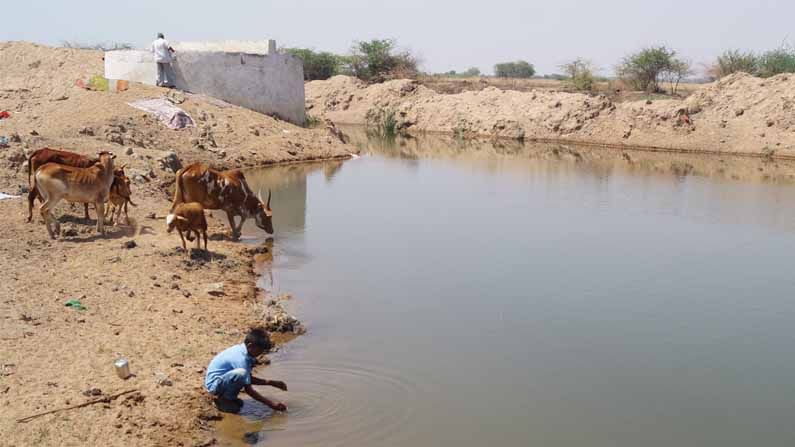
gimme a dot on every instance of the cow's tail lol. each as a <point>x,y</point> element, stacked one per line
<point>179,196</point>
<point>30,168</point>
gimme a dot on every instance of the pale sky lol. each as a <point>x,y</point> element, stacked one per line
<point>446,34</point>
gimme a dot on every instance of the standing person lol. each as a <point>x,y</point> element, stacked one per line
<point>162,52</point>
<point>230,372</point>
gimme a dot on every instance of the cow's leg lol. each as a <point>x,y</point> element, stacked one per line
<point>240,226</point>
<point>109,213</point>
<point>86,209</point>
<point>45,215</point>
<point>53,227</point>
<point>126,216</point>
<point>32,194</point>
<point>198,239</point>
<point>231,217</point>
<point>183,239</point>
<point>100,207</point>
<point>204,233</point>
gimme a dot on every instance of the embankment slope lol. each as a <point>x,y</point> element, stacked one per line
<point>739,114</point>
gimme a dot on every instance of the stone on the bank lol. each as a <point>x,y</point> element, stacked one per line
<point>162,380</point>
<point>215,289</point>
<point>169,161</point>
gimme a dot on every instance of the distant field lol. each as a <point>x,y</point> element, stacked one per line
<point>617,90</point>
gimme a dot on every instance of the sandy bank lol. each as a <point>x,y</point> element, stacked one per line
<point>148,303</point>
<point>738,114</point>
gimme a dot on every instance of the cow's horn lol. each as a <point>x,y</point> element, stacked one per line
<point>268,205</point>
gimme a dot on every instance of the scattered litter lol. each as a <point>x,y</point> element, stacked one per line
<point>118,85</point>
<point>96,82</point>
<point>170,115</point>
<point>4,196</point>
<point>5,114</point>
<point>3,141</point>
<point>122,368</point>
<point>75,304</point>
<point>162,380</point>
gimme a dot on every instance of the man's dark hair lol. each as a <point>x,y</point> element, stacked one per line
<point>160,36</point>
<point>259,337</point>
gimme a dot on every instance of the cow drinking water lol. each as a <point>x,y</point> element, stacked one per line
<point>223,190</point>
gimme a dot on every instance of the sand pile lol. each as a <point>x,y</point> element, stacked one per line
<point>739,113</point>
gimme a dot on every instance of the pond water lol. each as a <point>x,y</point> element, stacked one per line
<point>477,294</point>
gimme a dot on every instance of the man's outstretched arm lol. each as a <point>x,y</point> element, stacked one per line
<point>274,383</point>
<point>276,406</point>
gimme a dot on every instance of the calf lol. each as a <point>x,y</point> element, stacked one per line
<point>46,155</point>
<point>188,217</point>
<point>87,185</point>
<point>120,196</point>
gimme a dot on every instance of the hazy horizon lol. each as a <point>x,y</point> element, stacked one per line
<point>446,35</point>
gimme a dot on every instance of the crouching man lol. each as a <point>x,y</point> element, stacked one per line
<point>230,372</point>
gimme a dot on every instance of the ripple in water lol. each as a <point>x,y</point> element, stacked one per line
<point>329,405</point>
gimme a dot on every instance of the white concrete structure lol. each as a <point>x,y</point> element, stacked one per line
<point>249,74</point>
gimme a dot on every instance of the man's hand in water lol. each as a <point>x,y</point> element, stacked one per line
<point>278,384</point>
<point>278,406</point>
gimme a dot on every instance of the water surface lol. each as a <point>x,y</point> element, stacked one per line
<point>531,295</point>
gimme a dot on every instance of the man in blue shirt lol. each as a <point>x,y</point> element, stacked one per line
<point>230,372</point>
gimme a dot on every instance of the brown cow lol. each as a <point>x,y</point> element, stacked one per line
<point>188,217</point>
<point>46,155</point>
<point>223,190</point>
<point>56,182</point>
<point>120,196</point>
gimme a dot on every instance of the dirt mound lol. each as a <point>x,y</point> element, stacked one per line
<point>739,113</point>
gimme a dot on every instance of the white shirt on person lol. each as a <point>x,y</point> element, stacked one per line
<point>160,51</point>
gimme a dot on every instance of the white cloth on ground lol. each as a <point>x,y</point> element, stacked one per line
<point>160,51</point>
<point>173,117</point>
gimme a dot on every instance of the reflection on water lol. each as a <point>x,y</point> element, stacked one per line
<point>462,294</point>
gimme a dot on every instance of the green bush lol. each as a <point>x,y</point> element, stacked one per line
<point>518,69</point>
<point>472,72</point>
<point>378,60</point>
<point>734,61</point>
<point>773,62</point>
<point>646,69</point>
<point>580,74</point>
<point>317,65</point>
<point>382,123</point>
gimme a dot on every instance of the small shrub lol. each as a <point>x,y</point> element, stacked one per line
<point>378,60</point>
<point>580,74</point>
<point>382,123</point>
<point>734,61</point>
<point>312,121</point>
<point>317,65</point>
<point>518,69</point>
<point>647,68</point>
<point>774,62</point>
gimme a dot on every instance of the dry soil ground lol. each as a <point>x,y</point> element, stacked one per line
<point>146,300</point>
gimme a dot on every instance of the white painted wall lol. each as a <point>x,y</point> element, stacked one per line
<point>268,83</point>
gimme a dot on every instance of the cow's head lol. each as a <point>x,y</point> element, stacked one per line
<point>263,214</point>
